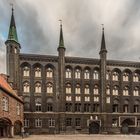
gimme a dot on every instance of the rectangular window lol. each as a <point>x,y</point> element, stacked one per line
<point>108,100</point>
<point>68,98</point>
<point>51,122</point>
<point>87,99</point>
<point>38,106</point>
<point>96,99</point>
<point>86,107</point>
<point>78,98</point>
<point>5,104</point>
<point>38,123</point>
<point>77,121</point>
<point>18,109</point>
<point>77,107</point>
<point>68,121</point>
<point>96,108</point>
<point>26,123</point>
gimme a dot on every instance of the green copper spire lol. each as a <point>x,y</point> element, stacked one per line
<point>103,44</point>
<point>61,40</point>
<point>12,30</point>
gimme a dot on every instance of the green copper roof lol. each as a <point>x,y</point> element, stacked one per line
<point>61,40</point>
<point>103,44</point>
<point>12,30</point>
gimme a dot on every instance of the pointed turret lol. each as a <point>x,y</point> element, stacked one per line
<point>61,40</point>
<point>103,45</point>
<point>12,29</point>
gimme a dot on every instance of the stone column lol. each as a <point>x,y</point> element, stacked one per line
<point>11,131</point>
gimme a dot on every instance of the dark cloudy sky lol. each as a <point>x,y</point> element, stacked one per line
<point>38,27</point>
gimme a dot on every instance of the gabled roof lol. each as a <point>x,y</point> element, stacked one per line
<point>4,85</point>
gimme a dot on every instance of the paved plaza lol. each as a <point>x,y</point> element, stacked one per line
<point>77,137</point>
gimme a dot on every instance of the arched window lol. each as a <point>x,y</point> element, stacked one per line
<point>68,73</point>
<point>96,90</point>
<point>37,87</point>
<point>49,88</point>
<point>126,91</point>
<point>115,107</point>
<point>115,90</point>
<point>86,89</point>
<point>136,77</point>
<point>125,106</point>
<point>108,90</point>
<point>126,77</point>
<point>77,89</point>
<point>95,75</point>
<point>68,88</point>
<point>107,75</point>
<point>49,73</point>
<point>49,107</point>
<point>26,87</point>
<point>38,106</point>
<point>115,76</point>
<point>136,91</point>
<point>77,74</point>
<point>26,71</point>
<point>37,72</point>
<point>86,74</point>
<point>26,106</point>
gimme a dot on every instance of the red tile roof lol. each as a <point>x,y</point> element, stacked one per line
<point>5,86</point>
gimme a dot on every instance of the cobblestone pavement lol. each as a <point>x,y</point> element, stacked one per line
<point>77,137</point>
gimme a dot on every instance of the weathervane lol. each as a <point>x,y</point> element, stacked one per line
<point>12,5</point>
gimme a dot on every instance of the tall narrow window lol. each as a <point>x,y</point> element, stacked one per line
<point>68,88</point>
<point>136,77</point>
<point>26,87</point>
<point>136,91</point>
<point>68,98</point>
<point>107,75</point>
<point>87,98</point>
<point>68,73</point>
<point>86,89</point>
<point>136,108</point>
<point>68,107</point>
<point>108,90</point>
<point>5,104</point>
<point>68,121</point>
<point>77,89</point>
<point>86,74</point>
<point>77,74</point>
<point>115,108</point>
<point>26,71</point>
<point>38,123</point>
<point>95,107</point>
<point>49,88</point>
<point>77,107</point>
<point>49,73</point>
<point>125,108</point>
<point>37,87</point>
<point>37,72</point>
<point>49,107</point>
<point>95,75</point>
<point>77,121</point>
<point>86,107</point>
<point>77,98</point>
<point>26,123</point>
<point>114,123</point>
<point>38,106</point>
<point>18,109</point>
<point>51,122</point>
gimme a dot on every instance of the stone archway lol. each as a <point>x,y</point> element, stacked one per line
<point>126,126</point>
<point>5,127</point>
<point>17,127</point>
<point>94,128</point>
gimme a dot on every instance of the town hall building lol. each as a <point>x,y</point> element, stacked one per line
<point>68,94</point>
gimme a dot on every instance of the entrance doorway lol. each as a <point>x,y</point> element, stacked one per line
<point>94,128</point>
<point>127,127</point>
<point>17,128</point>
